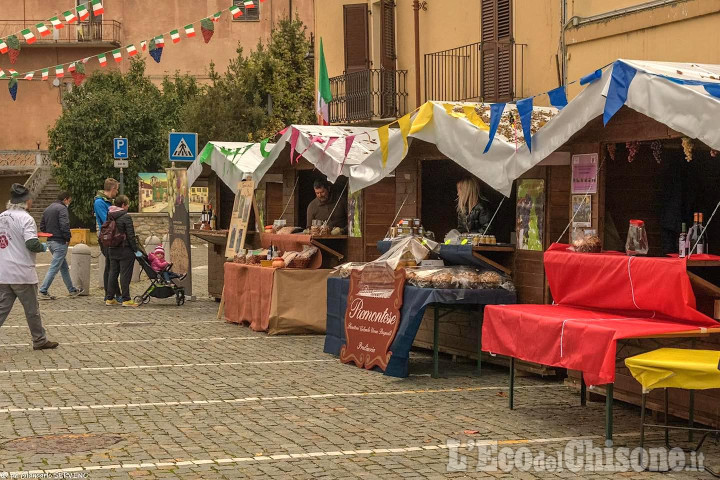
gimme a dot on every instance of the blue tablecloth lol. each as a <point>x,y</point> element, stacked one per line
<point>451,255</point>
<point>415,301</point>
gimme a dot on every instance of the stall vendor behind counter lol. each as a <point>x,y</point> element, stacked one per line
<point>321,208</point>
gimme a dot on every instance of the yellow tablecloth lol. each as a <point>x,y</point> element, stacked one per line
<point>676,368</point>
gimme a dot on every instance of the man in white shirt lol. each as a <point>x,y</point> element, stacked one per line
<point>18,278</point>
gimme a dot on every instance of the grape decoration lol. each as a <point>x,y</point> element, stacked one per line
<point>687,145</point>
<point>656,147</point>
<point>632,148</point>
<point>612,149</point>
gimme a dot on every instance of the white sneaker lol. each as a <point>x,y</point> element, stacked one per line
<point>76,292</point>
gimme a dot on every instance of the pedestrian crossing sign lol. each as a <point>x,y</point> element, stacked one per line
<point>183,147</point>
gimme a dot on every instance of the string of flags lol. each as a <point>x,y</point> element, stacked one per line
<point>77,68</point>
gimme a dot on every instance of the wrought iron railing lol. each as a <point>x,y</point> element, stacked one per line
<point>104,32</point>
<point>367,95</point>
<point>457,74</point>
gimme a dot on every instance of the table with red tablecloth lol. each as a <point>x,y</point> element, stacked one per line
<point>598,300</point>
<point>267,298</point>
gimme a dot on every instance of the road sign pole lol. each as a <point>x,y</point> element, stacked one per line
<point>122,183</point>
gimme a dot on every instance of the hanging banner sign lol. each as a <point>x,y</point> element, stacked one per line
<point>372,317</point>
<point>584,173</point>
<point>179,237</point>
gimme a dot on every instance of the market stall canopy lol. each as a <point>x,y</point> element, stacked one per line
<point>232,161</point>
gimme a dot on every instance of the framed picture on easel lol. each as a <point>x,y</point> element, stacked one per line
<point>240,218</point>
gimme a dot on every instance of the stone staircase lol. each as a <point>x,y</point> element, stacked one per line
<point>47,195</point>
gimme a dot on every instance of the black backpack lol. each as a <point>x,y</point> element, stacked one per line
<point>109,234</point>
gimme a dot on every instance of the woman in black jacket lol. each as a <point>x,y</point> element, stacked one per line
<point>122,258</point>
<point>473,209</point>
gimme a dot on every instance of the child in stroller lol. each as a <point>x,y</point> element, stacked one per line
<point>158,263</point>
<point>161,286</point>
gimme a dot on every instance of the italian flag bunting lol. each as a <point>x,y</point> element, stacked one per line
<point>117,55</point>
<point>45,73</point>
<point>29,75</point>
<point>249,4</point>
<point>3,46</point>
<point>143,45</point>
<point>59,71</point>
<point>102,58</point>
<point>235,11</point>
<point>175,35</point>
<point>69,17</point>
<point>56,23</point>
<point>190,31</point>
<point>42,29</point>
<point>71,68</point>
<point>13,73</point>
<point>2,73</point>
<point>160,41</point>
<point>83,12</point>
<point>97,7</point>
<point>29,36</point>
<point>324,95</point>
<point>131,50</point>
<point>216,17</point>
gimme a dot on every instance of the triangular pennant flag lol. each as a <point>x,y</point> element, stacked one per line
<point>424,116</point>
<point>55,21</point>
<point>713,89</point>
<point>29,75</point>
<point>622,76</point>
<point>525,109</point>
<point>45,73</point>
<point>97,7</point>
<point>13,88</point>
<point>235,11</point>
<point>2,73</point>
<point>348,145</point>
<point>83,12</point>
<point>189,31</point>
<point>29,36</point>
<point>70,17</point>
<point>384,137</point>
<point>558,97</point>
<point>294,135</point>
<point>131,50</point>
<point>263,145</point>
<point>496,110</point>
<point>86,60</point>
<point>405,123</point>
<point>472,116</point>
<point>117,55</point>
<point>102,58</point>
<point>175,36</point>
<point>59,71</point>
<point>591,77</point>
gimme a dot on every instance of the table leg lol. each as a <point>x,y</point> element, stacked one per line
<point>583,390</point>
<point>609,412</point>
<point>436,342</point>
<point>643,401</point>
<point>511,395</point>
<point>667,418</point>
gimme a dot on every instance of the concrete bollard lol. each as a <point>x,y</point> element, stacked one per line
<point>80,267</point>
<point>150,243</point>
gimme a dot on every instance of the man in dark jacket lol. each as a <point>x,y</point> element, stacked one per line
<point>56,222</point>
<point>122,258</point>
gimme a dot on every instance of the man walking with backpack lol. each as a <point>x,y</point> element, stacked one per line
<point>56,222</point>
<point>118,236</point>
<point>18,278</point>
<point>101,205</point>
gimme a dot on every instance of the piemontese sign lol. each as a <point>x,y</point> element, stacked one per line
<point>372,317</point>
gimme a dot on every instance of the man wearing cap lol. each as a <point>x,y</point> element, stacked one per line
<point>18,279</point>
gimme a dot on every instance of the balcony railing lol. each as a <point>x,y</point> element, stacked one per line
<point>457,74</point>
<point>24,158</point>
<point>102,33</point>
<point>368,95</point>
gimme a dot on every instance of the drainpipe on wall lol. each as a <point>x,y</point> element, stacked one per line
<point>417,5</point>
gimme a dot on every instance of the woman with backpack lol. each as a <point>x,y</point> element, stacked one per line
<point>118,235</point>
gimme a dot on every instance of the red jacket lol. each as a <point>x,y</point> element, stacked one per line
<point>156,263</point>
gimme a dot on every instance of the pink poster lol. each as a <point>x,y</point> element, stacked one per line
<point>584,173</point>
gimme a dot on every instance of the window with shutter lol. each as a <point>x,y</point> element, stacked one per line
<point>357,62</point>
<point>497,50</point>
<point>249,14</point>
<point>387,60</point>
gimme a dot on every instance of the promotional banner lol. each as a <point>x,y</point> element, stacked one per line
<point>179,235</point>
<point>372,317</point>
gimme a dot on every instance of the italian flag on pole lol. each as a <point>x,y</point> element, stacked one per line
<point>190,30</point>
<point>83,12</point>
<point>56,23</point>
<point>42,29</point>
<point>102,58</point>
<point>324,96</point>
<point>97,7</point>
<point>175,35</point>
<point>117,55</point>
<point>29,36</point>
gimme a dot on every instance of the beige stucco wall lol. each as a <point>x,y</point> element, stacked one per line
<point>38,103</point>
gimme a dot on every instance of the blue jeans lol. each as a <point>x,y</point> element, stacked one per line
<point>59,252</point>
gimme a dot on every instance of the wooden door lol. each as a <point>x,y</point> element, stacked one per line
<point>497,51</point>
<point>379,205</point>
<point>388,56</point>
<point>357,62</point>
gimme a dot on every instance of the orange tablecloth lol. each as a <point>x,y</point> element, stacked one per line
<point>248,294</point>
<point>285,301</point>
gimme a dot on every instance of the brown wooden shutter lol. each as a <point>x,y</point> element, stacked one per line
<point>357,54</point>
<point>497,50</point>
<point>387,60</point>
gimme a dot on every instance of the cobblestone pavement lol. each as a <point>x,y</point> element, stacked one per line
<point>171,392</point>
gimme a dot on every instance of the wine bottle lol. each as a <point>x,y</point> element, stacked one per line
<point>682,247</point>
<point>693,236</point>
<point>203,217</point>
<point>703,233</point>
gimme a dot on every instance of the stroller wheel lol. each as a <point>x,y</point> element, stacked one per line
<point>139,300</point>
<point>180,298</point>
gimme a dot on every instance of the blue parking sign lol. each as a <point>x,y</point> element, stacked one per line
<point>120,148</point>
<point>182,147</point>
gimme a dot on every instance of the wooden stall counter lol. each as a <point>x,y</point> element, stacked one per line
<point>217,240</point>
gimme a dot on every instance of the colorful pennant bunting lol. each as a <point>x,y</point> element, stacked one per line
<point>131,50</point>
<point>525,108</point>
<point>236,12</point>
<point>70,17</point>
<point>83,12</point>
<point>59,71</point>
<point>45,73</point>
<point>622,76</point>
<point>102,58</point>
<point>55,21</point>
<point>29,75</point>
<point>175,36</point>
<point>117,55</point>
<point>558,97</point>
<point>496,110</point>
<point>3,46</point>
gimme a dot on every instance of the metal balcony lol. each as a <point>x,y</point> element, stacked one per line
<point>88,34</point>
<point>368,95</point>
<point>490,72</point>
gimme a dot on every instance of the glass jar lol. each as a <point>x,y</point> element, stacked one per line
<point>637,242</point>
